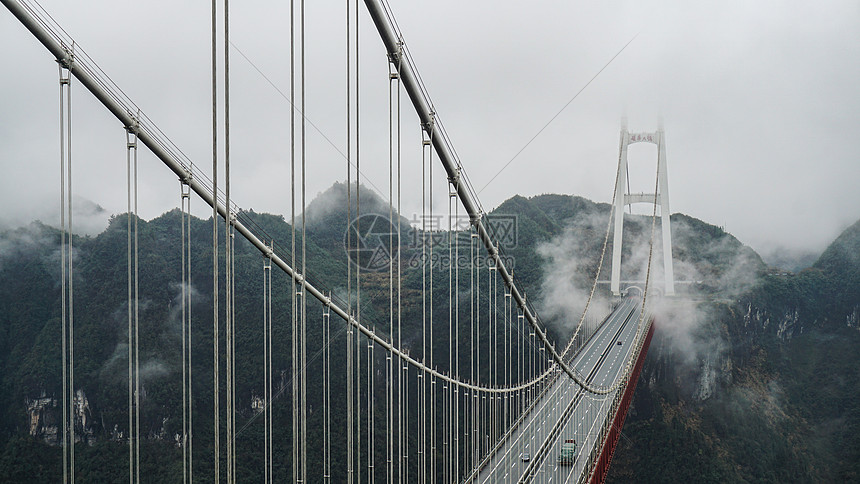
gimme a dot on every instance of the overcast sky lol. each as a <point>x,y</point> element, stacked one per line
<point>760,103</point>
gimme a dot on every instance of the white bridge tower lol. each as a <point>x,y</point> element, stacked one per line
<point>623,199</point>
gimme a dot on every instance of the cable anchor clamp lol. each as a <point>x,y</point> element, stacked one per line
<point>429,127</point>
<point>476,219</point>
<point>454,180</point>
<point>133,128</point>
<point>67,62</point>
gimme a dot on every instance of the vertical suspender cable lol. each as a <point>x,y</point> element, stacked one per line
<point>393,147</point>
<point>303,321</point>
<point>266,397</point>
<point>371,404</point>
<point>477,323</point>
<point>389,406</point>
<point>432,456</point>
<point>187,473</point>
<point>71,279</point>
<point>349,362</point>
<point>521,374</point>
<point>294,334</point>
<point>327,393</point>
<point>358,231</point>
<point>494,322</point>
<point>501,400</point>
<point>228,263</point>
<point>215,361</point>
<point>473,357</point>
<point>67,299</point>
<point>504,402</point>
<point>189,333</point>
<point>403,375</point>
<point>491,360</point>
<point>422,399</point>
<point>71,288</point>
<point>449,440</point>
<point>130,303</point>
<point>133,321</point>
<point>498,361</point>
<point>453,363</point>
<point>491,353</point>
<point>371,448</point>
<point>184,436</point>
<point>452,403</point>
<point>457,389</point>
<point>404,475</point>
<point>64,80</point>
<point>508,349</point>
<point>267,370</point>
<point>271,377</point>
<point>232,241</point>
<point>136,332</point>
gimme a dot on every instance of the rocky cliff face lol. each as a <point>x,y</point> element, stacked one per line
<point>852,319</point>
<point>45,418</point>
<point>44,425</point>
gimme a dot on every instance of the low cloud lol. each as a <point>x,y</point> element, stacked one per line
<point>88,217</point>
<point>569,271</point>
<point>24,241</point>
<point>709,265</point>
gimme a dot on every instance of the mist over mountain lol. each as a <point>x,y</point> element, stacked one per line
<point>88,217</point>
<point>789,259</point>
<point>750,376</point>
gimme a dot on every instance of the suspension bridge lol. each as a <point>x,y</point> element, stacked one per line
<point>445,373</point>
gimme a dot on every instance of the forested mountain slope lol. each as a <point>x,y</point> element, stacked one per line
<point>750,376</point>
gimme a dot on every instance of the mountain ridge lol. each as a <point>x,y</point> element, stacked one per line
<point>751,330</point>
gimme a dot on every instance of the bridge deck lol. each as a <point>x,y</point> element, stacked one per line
<point>601,360</point>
